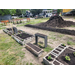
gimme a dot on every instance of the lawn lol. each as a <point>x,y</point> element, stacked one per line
<point>35,21</point>
<point>2,26</point>
<point>10,51</point>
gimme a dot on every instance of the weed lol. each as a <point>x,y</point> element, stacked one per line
<point>60,36</point>
<point>31,64</point>
<point>52,38</point>
<point>47,49</point>
<point>20,53</point>
<point>70,43</point>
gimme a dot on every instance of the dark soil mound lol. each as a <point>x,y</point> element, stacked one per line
<point>56,21</point>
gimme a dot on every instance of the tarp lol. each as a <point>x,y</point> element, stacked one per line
<point>6,17</point>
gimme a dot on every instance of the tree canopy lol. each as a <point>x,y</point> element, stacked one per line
<point>36,11</point>
<point>12,11</point>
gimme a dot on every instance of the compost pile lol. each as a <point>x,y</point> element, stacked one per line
<point>56,21</point>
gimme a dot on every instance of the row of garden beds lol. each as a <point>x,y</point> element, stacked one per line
<point>21,36</point>
<point>61,55</point>
<point>65,31</point>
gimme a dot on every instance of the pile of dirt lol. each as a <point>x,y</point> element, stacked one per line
<point>56,21</point>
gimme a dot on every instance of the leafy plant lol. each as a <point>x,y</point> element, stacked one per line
<point>74,53</point>
<point>63,45</point>
<point>67,58</point>
<point>49,57</point>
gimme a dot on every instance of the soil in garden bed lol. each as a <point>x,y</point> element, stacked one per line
<point>68,52</point>
<point>24,35</point>
<point>56,63</point>
<point>10,29</point>
<point>34,47</point>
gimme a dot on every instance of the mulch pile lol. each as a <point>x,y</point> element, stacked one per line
<point>56,21</point>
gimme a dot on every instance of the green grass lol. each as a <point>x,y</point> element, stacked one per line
<point>48,48</point>
<point>29,63</point>
<point>10,51</point>
<point>35,21</point>
<point>52,37</point>
<point>60,36</point>
<point>70,43</point>
<point>2,26</point>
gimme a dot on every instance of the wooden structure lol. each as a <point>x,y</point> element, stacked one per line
<point>5,21</point>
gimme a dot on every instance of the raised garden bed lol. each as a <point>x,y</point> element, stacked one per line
<point>23,37</point>
<point>34,49</point>
<point>10,32</point>
<point>68,52</point>
<point>63,55</point>
<point>54,54</point>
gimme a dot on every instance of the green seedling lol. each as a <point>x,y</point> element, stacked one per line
<point>67,58</point>
<point>63,45</point>
<point>74,53</point>
<point>49,57</point>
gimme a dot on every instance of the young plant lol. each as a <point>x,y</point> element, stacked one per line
<point>49,57</point>
<point>74,53</point>
<point>63,45</point>
<point>67,58</point>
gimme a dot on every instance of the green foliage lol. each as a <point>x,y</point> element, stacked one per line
<point>49,57</point>
<point>7,11</point>
<point>48,48</point>
<point>12,11</point>
<point>63,45</point>
<point>21,11</point>
<point>70,43</point>
<point>36,11</point>
<point>59,10</point>
<point>67,58</point>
